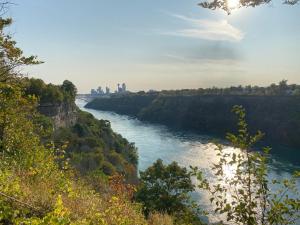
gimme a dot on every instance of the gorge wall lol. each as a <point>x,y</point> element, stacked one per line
<point>62,115</point>
<point>277,116</point>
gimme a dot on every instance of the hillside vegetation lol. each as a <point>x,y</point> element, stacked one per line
<point>92,146</point>
<point>37,186</point>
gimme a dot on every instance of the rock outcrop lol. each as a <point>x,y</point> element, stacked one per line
<point>62,115</point>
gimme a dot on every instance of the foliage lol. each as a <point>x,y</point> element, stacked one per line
<point>223,4</point>
<point>69,89</point>
<point>50,93</point>
<point>280,89</point>
<point>93,147</point>
<point>59,216</point>
<point>245,196</point>
<point>119,187</point>
<point>166,189</point>
<point>16,131</point>
<point>24,160</point>
<point>11,56</point>
<point>155,219</point>
<point>44,126</point>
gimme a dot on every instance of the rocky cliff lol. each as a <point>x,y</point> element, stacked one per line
<point>62,115</point>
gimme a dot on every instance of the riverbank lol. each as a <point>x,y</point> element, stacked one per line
<point>276,116</point>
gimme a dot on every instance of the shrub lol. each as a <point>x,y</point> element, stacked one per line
<point>108,168</point>
<point>166,189</point>
<point>160,219</point>
<point>245,197</point>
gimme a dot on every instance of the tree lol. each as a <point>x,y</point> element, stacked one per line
<point>14,107</point>
<point>283,87</point>
<point>11,56</point>
<point>166,189</point>
<point>35,87</point>
<point>70,89</point>
<point>245,196</point>
<point>52,94</point>
<point>223,4</point>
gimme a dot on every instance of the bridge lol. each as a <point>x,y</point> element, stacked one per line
<point>85,97</point>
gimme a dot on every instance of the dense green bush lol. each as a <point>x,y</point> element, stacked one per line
<point>50,93</point>
<point>166,189</point>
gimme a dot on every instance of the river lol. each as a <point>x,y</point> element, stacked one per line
<point>156,141</point>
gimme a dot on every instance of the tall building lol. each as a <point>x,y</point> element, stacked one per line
<point>120,88</point>
<point>123,87</point>
<point>94,92</point>
<point>107,90</point>
<point>100,91</point>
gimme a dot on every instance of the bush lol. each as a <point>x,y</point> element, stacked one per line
<point>108,168</point>
<point>115,159</point>
<point>245,197</point>
<point>160,219</point>
<point>166,189</point>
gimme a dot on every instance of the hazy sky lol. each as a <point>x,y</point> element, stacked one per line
<point>157,44</point>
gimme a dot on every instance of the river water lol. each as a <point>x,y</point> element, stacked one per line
<point>156,141</point>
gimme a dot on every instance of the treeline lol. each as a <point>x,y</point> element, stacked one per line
<point>50,93</point>
<point>280,89</point>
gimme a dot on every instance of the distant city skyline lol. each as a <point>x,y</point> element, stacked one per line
<point>157,45</point>
<point>120,88</point>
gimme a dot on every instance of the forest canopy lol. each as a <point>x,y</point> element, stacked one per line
<point>50,93</point>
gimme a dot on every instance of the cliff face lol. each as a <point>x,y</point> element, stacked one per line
<point>277,116</point>
<point>128,105</point>
<point>62,115</point>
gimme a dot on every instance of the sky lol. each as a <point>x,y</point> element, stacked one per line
<point>157,44</point>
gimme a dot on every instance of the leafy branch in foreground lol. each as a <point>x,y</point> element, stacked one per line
<point>242,191</point>
<point>11,56</point>
<point>225,4</point>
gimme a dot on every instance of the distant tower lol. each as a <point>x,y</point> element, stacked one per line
<point>119,90</point>
<point>99,90</point>
<point>107,90</point>
<point>93,92</point>
<point>123,87</point>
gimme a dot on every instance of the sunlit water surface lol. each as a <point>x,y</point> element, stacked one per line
<point>156,141</point>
